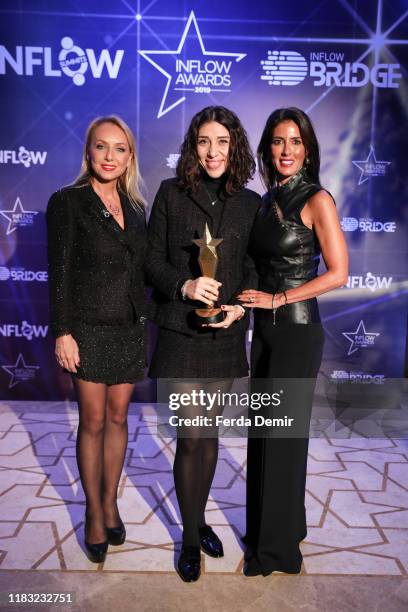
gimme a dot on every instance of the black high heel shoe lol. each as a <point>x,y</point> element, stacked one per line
<point>188,566</point>
<point>210,543</point>
<point>116,535</point>
<point>96,552</point>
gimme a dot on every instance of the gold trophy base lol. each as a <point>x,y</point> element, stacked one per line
<point>205,316</point>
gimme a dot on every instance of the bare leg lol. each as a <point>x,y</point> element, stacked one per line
<point>115,443</point>
<point>89,450</point>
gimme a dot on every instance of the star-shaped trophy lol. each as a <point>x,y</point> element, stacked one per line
<point>208,260</point>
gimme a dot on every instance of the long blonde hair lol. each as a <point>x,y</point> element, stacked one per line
<point>130,181</point>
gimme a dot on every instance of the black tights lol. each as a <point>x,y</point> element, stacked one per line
<point>196,458</point>
<point>101,446</point>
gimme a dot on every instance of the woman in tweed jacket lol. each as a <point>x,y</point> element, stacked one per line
<point>214,166</point>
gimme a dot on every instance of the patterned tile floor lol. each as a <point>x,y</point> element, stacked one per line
<point>357,499</point>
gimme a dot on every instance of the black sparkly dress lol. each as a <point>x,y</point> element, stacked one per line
<point>288,346</point>
<point>97,291</point>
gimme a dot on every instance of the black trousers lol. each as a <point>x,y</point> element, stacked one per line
<point>276,468</point>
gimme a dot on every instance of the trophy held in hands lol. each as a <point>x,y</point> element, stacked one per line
<point>208,260</point>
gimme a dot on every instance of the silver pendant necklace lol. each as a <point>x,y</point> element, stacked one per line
<point>213,202</point>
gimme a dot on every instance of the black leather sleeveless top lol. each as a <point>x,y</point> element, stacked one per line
<point>286,252</point>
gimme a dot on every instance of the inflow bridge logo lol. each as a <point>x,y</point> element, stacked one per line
<point>192,71</point>
<point>327,69</point>
<point>72,61</point>
<point>284,68</point>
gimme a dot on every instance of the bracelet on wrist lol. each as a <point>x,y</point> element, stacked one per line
<point>183,289</point>
<point>242,311</point>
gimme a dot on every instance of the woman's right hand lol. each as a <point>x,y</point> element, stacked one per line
<point>67,352</point>
<point>204,289</point>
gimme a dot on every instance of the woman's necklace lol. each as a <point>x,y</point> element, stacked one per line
<point>213,202</point>
<point>114,209</point>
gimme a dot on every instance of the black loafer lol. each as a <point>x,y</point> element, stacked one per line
<point>188,566</point>
<point>116,535</point>
<point>210,543</point>
<point>96,552</point>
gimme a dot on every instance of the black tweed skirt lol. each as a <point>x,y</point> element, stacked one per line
<point>208,355</point>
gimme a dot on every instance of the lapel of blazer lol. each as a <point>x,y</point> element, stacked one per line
<point>102,216</point>
<point>231,203</point>
<point>231,210</point>
<point>202,199</point>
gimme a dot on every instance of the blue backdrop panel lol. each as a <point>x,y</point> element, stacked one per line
<point>156,63</point>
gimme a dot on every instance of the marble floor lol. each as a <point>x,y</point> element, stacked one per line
<point>357,501</point>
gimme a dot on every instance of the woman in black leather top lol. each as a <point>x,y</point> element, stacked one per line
<point>96,249</point>
<point>296,223</point>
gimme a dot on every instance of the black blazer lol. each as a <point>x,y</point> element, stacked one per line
<point>176,219</point>
<point>95,267</point>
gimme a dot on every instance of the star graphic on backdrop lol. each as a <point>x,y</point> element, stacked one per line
<point>191,21</point>
<point>18,216</point>
<point>370,167</point>
<point>360,338</point>
<point>20,371</point>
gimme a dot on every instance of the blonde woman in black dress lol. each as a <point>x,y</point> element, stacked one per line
<point>296,224</point>
<point>96,247</point>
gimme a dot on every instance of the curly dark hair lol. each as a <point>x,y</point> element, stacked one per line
<point>241,163</point>
<point>266,167</point>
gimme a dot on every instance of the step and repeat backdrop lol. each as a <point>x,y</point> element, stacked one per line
<point>156,63</point>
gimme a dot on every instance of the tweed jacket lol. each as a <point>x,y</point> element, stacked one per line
<point>176,219</point>
<point>95,268</point>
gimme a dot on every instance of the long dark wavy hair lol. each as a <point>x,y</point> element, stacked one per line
<point>241,163</point>
<point>307,133</point>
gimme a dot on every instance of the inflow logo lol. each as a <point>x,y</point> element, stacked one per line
<point>197,71</point>
<point>23,156</point>
<point>24,330</point>
<point>327,69</point>
<point>73,61</point>
<point>369,281</point>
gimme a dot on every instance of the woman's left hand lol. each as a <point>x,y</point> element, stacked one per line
<point>250,298</point>
<point>234,313</point>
